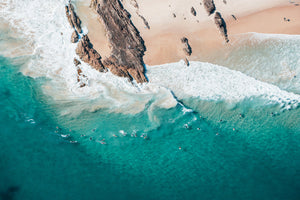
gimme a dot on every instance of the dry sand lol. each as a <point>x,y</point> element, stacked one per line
<point>162,40</point>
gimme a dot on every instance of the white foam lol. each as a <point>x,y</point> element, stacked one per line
<point>271,58</point>
<point>212,82</point>
<point>44,25</point>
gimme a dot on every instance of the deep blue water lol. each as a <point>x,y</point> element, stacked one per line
<point>260,159</point>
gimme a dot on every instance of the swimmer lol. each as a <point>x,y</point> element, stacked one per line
<point>123,132</point>
<point>179,148</point>
<point>103,142</point>
<point>233,129</point>
<point>64,136</point>
<point>91,138</point>
<point>143,135</point>
<point>73,141</point>
<point>217,133</point>
<point>82,135</point>
<point>198,129</point>
<point>186,126</point>
<point>114,135</point>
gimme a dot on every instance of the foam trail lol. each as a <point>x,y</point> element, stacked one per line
<point>44,25</point>
<point>212,82</point>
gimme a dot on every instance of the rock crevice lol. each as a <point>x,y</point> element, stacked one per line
<point>221,25</point>
<point>127,45</point>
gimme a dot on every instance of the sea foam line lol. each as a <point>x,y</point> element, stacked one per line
<point>44,23</point>
<point>212,82</point>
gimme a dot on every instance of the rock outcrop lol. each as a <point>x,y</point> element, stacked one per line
<point>127,46</point>
<point>76,62</point>
<point>84,48</point>
<point>209,6</point>
<point>193,11</point>
<point>187,62</point>
<point>187,48</point>
<point>144,20</point>
<point>80,76</point>
<point>73,19</point>
<point>74,37</point>
<point>88,54</point>
<point>221,25</point>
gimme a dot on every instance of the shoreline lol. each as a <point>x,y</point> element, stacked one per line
<point>163,44</point>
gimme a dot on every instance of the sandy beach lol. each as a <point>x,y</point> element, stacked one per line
<point>162,40</point>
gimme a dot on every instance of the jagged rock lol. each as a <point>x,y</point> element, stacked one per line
<point>88,54</point>
<point>76,62</point>
<point>80,76</point>
<point>234,17</point>
<point>187,48</point>
<point>127,45</point>
<point>221,25</point>
<point>69,16</point>
<point>72,18</point>
<point>193,11</point>
<point>144,20</point>
<point>93,4</point>
<point>134,3</point>
<point>209,6</point>
<point>186,61</point>
<point>74,37</point>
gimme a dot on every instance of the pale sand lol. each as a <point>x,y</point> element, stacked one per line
<point>96,33</point>
<point>163,39</point>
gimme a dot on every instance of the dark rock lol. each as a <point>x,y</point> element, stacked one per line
<point>135,4</point>
<point>127,45</point>
<point>76,62</point>
<point>144,20</point>
<point>74,37</point>
<point>187,48</point>
<point>93,4</point>
<point>209,6</point>
<point>88,54</point>
<point>234,17</point>
<point>221,25</point>
<point>224,1</point>
<point>186,61</point>
<point>174,15</point>
<point>80,76</point>
<point>193,11</point>
<point>72,18</point>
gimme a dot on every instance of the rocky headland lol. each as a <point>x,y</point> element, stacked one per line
<point>127,46</point>
<point>119,30</point>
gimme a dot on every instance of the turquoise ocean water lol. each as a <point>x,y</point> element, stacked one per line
<point>199,149</point>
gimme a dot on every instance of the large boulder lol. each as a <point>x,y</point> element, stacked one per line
<point>221,25</point>
<point>209,6</point>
